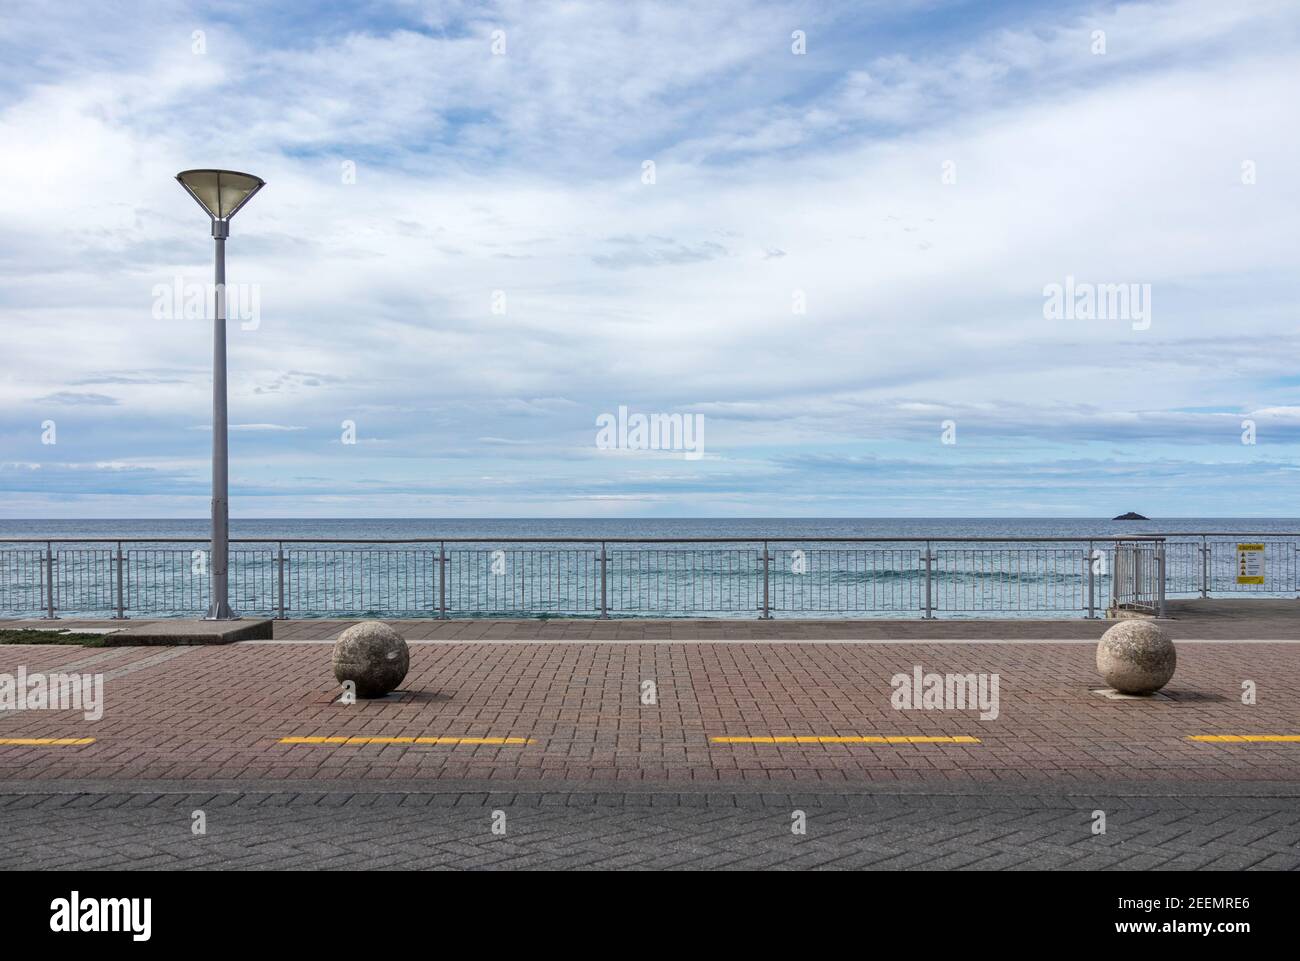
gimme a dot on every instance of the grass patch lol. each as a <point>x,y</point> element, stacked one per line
<point>38,636</point>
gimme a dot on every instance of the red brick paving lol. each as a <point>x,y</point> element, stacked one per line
<point>217,712</point>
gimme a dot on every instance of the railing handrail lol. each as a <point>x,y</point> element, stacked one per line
<point>1227,534</point>
<point>797,539</point>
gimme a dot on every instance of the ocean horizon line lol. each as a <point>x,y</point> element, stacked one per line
<point>664,518</point>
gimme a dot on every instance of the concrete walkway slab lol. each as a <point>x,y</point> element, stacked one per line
<point>1252,619</point>
<point>186,632</point>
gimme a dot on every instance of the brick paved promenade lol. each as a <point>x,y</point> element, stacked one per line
<point>181,723</point>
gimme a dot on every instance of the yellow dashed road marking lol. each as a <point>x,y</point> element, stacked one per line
<point>909,739</point>
<point>1245,738</point>
<point>39,741</point>
<point>406,740</point>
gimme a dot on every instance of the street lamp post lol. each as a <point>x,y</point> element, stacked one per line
<point>221,193</point>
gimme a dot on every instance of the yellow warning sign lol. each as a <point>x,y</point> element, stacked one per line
<point>1250,563</point>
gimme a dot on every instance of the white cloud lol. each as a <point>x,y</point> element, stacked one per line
<point>775,174</point>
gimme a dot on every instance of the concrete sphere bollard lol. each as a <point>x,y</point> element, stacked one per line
<point>1136,657</point>
<point>373,656</point>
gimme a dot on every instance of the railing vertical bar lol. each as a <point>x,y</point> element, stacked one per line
<point>442,580</point>
<point>1092,587</point>
<point>928,560</point>
<point>604,599</point>
<point>49,582</point>
<point>121,593</point>
<point>279,578</point>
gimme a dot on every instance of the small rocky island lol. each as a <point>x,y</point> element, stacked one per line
<point>1131,516</point>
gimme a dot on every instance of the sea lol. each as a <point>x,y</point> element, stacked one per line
<point>595,529</point>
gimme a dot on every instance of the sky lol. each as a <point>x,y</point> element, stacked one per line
<point>828,233</point>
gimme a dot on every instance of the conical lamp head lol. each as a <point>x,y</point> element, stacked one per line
<point>220,192</point>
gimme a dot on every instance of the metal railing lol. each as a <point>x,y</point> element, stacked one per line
<point>1138,580</point>
<point>1207,563</point>
<point>634,577</point>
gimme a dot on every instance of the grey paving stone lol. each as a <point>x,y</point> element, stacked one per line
<point>639,830</point>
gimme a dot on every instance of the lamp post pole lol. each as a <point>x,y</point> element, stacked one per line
<point>219,608</point>
<point>221,194</point>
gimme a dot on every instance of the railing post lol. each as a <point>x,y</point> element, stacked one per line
<point>1092,585</point>
<point>121,595</point>
<point>279,577</point>
<point>604,586</point>
<point>929,558</point>
<point>49,583</point>
<point>442,580</point>
<point>767,582</point>
<point>1160,580</point>
<point>1205,567</point>
<point>1116,565</point>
